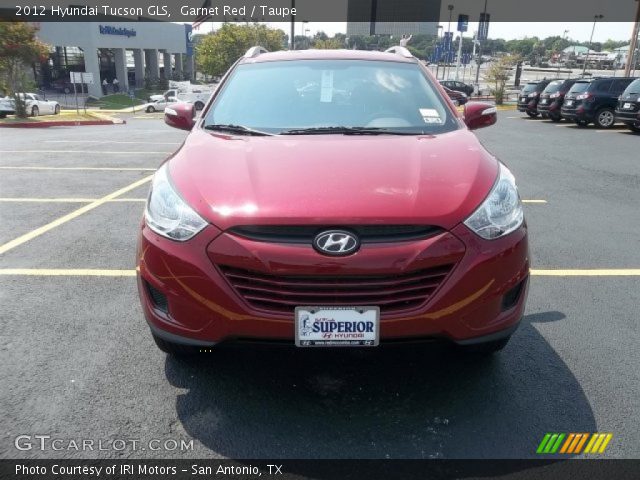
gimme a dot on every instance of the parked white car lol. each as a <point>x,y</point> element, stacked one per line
<point>158,105</point>
<point>36,105</point>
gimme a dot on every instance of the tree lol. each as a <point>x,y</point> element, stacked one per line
<point>19,49</point>
<point>216,52</point>
<point>498,74</point>
<point>328,44</point>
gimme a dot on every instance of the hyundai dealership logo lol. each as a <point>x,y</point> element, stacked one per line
<point>336,242</point>
<point>109,30</point>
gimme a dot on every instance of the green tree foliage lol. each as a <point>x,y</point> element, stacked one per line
<point>216,52</point>
<point>498,74</point>
<point>19,49</point>
<point>328,44</point>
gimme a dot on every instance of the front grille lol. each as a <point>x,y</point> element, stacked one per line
<point>282,293</point>
<point>306,233</point>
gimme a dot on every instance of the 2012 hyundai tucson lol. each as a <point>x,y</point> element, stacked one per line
<point>332,199</point>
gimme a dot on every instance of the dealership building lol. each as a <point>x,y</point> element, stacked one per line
<point>136,53</point>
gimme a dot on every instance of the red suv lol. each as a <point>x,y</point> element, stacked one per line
<point>332,198</point>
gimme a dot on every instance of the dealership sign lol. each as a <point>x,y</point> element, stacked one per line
<point>109,30</point>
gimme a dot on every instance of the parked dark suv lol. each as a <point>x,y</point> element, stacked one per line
<point>628,111</point>
<point>529,96</point>
<point>552,97</point>
<point>458,86</point>
<point>594,101</point>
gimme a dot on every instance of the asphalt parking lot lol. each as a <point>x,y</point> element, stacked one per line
<point>78,362</point>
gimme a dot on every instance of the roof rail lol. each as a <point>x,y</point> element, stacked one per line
<point>398,50</point>
<point>255,51</point>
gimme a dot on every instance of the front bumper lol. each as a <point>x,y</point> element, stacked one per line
<point>202,308</point>
<point>627,116</point>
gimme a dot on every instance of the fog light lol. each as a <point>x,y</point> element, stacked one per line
<point>158,299</point>
<point>511,298</point>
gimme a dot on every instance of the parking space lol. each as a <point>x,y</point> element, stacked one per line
<point>79,362</point>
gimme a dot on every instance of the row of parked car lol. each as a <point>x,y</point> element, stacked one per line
<point>35,104</point>
<point>603,101</point>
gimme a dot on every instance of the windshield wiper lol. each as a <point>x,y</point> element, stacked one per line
<point>344,131</point>
<point>237,129</point>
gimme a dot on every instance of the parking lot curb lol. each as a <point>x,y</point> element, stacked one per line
<point>98,119</point>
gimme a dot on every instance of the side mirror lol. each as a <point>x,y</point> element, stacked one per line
<point>480,115</point>
<point>180,115</point>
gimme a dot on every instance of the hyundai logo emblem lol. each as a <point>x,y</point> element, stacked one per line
<point>336,243</point>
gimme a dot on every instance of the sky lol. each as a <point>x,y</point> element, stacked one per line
<point>579,31</point>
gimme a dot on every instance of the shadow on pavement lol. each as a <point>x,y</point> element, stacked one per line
<point>409,401</point>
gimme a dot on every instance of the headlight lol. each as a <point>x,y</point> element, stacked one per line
<point>167,214</point>
<point>501,212</point>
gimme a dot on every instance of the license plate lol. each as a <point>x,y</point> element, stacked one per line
<point>627,106</point>
<point>569,103</point>
<point>337,326</point>
<point>544,101</point>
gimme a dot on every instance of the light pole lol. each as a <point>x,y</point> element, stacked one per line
<point>564,37</point>
<point>479,59</point>
<point>446,58</point>
<point>440,27</point>
<point>586,60</point>
<point>631,56</point>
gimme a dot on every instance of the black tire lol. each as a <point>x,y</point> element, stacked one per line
<point>555,118</point>
<point>532,114</point>
<point>634,127</point>
<point>199,106</point>
<point>174,349</point>
<point>35,111</point>
<point>56,111</point>
<point>150,109</point>
<point>605,118</point>
<point>582,123</point>
<point>545,116</point>
<point>486,348</point>
<point>3,115</point>
<point>67,90</point>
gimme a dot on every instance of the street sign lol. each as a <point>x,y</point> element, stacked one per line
<point>82,77</point>
<point>463,23</point>
<point>483,29</point>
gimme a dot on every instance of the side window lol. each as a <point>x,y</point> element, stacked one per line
<point>604,86</point>
<point>619,86</point>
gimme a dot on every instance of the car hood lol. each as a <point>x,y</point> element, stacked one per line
<point>333,179</point>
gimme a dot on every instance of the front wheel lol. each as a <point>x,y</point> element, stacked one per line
<point>150,109</point>
<point>582,123</point>
<point>56,110</point>
<point>199,106</point>
<point>35,111</point>
<point>532,114</point>
<point>605,118</point>
<point>555,118</point>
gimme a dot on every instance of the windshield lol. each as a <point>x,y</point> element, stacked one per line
<point>580,87</point>
<point>282,96</point>
<point>554,86</point>
<point>633,88</point>
<point>529,87</point>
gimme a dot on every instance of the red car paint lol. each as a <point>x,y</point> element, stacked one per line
<point>332,181</point>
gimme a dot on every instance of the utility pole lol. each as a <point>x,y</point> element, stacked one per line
<point>446,57</point>
<point>293,25</point>
<point>586,60</point>
<point>479,59</point>
<point>631,57</point>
